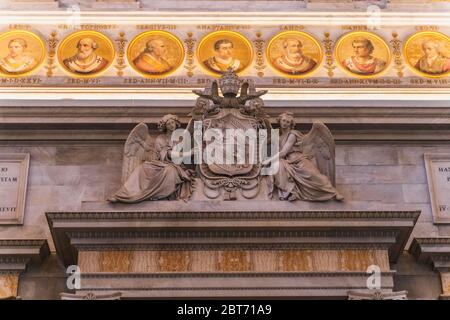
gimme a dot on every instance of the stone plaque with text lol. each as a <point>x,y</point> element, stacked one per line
<point>13,185</point>
<point>438,174</point>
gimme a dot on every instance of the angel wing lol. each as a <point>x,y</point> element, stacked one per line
<point>319,144</point>
<point>214,89</point>
<point>244,89</point>
<point>248,92</point>
<point>138,148</point>
<point>211,93</point>
<point>251,87</point>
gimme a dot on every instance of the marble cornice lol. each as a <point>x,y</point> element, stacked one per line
<point>74,231</point>
<point>435,251</point>
<point>253,17</point>
<point>420,121</point>
<point>134,275</point>
<point>211,284</point>
<point>15,254</point>
<point>231,215</point>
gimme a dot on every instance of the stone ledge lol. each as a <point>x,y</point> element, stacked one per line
<point>435,251</point>
<point>237,284</point>
<point>91,296</point>
<point>377,295</point>
<point>15,254</point>
<point>318,229</point>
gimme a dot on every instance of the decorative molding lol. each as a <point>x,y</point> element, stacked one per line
<point>259,64</point>
<point>227,246</point>
<point>249,284</point>
<point>52,42</point>
<point>264,25</point>
<point>232,215</point>
<point>15,254</point>
<point>121,44</point>
<point>73,231</point>
<point>396,44</point>
<point>377,295</point>
<point>224,234</point>
<point>113,137</point>
<point>284,274</point>
<point>435,251</point>
<point>419,122</point>
<point>227,289</point>
<point>91,296</point>
<point>21,243</point>
<point>329,60</point>
<point>105,243</point>
<point>190,54</point>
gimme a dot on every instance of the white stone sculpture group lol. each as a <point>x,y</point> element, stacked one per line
<point>302,166</point>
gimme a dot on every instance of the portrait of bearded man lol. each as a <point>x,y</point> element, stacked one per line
<point>293,61</point>
<point>86,60</point>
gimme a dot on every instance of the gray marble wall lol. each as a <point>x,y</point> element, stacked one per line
<point>66,176</point>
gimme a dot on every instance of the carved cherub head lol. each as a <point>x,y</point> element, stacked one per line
<point>256,105</point>
<point>286,120</point>
<point>169,122</point>
<point>201,103</point>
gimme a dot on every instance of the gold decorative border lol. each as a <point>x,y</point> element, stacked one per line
<point>161,33</point>
<point>236,34</point>
<point>75,34</point>
<point>121,44</point>
<point>260,63</point>
<point>329,59</point>
<point>304,34</point>
<point>39,63</point>
<point>361,33</point>
<point>52,42</point>
<point>396,44</point>
<point>190,44</point>
<point>405,56</point>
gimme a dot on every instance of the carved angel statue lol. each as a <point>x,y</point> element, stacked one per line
<point>150,174</point>
<point>306,163</point>
<point>229,86</point>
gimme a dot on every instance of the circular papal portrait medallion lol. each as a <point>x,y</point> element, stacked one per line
<point>155,53</point>
<point>86,53</point>
<point>221,50</point>
<point>362,54</point>
<point>427,53</point>
<point>21,53</point>
<point>294,53</point>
